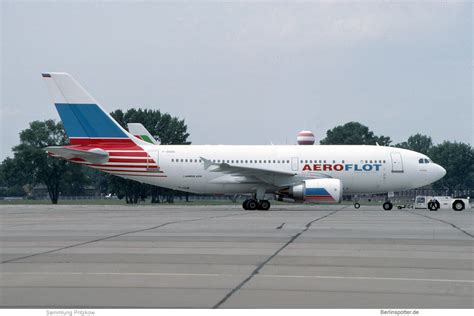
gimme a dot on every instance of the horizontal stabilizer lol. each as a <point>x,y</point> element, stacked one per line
<point>95,156</point>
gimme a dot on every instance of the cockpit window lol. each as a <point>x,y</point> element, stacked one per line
<point>421,160</point>
<point>427,161</point>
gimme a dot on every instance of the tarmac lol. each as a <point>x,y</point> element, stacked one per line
<point>295,256</point>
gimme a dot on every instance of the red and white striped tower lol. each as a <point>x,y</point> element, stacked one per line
<point>305,138</point>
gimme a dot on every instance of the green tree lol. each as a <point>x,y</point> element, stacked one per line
<point>31,165</point>
<point>458,160</point>
<point>170,130</point>
<point>353,133</point>
<point>11,178</point>
<point>419,143</point>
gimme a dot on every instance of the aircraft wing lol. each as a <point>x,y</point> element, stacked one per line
<point>240,174</point>
<point>96,155</point>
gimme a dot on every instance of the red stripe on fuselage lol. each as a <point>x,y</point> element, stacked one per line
<point>124,166</point>
<point>128,154</point>
<point>121,170</point>
<point>100,141</point>
<point>130,160</point>
<point>140,175</point>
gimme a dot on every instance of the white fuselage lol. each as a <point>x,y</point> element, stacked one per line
<point>361,168</point>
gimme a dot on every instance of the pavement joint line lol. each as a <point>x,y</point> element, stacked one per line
<point>443,221</point>
<point>121,234</point>
<point>261,265</point>
<point>289,276</point>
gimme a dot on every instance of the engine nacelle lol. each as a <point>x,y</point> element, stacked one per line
<point>316,191</point>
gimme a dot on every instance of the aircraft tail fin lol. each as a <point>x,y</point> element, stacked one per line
<point>84,119</point>
<point>139,131</point>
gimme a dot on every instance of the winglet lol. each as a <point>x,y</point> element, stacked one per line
<point>207,163</point>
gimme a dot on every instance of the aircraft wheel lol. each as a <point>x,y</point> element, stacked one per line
<point>263,205</point>
<point>458,205</point>
<point>244,205</point>
<point>387,206</point>
<point>252,204</point>
<point>357,205</point>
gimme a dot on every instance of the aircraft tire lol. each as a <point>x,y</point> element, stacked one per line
<point>356,205</point>
<point>244,205</point>
<point>263,205</point>
<point>252,205</point>
<point>387,206</point>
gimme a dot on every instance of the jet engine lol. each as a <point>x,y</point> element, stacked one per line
<point>325,191</point>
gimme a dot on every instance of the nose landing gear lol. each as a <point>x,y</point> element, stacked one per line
<point>387,206</point>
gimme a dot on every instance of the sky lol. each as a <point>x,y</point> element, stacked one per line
<point>248,73</point>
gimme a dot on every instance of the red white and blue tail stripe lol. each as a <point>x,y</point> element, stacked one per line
<point>90,128</point>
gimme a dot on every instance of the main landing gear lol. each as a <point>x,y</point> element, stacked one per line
<point>254,204</point>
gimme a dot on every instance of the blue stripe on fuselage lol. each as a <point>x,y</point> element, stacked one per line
<point>317,191</point>
<point>87,120</point>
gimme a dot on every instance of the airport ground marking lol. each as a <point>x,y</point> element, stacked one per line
<point>261,265</point>
<point>289,276</point>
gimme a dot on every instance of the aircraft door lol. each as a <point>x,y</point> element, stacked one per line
<point>397,163</point>
<point>294,163</point>
<point>152,161</point>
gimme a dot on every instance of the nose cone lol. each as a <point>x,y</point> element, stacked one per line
<point>439,172</point>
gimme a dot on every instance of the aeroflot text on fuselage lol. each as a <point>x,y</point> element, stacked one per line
<point>342,167</point>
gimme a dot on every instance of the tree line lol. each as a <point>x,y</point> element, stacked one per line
<point>31,166</point>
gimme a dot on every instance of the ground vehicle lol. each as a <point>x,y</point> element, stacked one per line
<point>433,203</point>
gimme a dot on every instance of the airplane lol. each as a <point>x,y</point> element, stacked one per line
<point>139,131</point>
<point>296,173</point>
